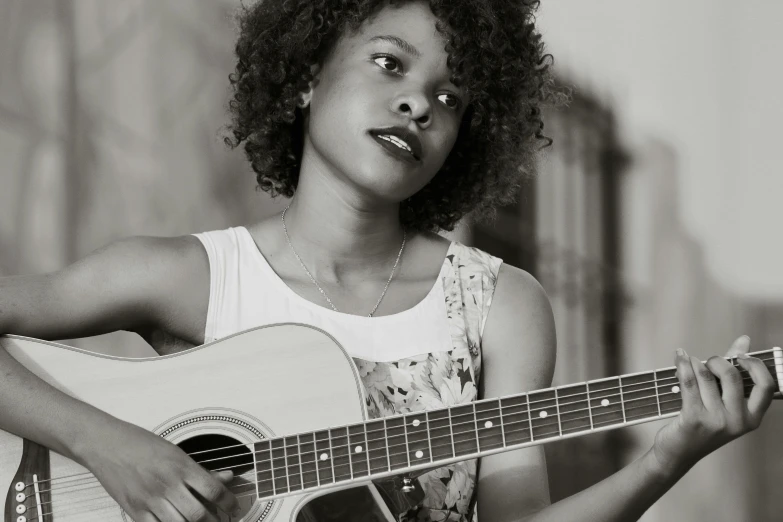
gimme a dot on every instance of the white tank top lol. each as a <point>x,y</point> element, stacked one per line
<point>426,357</point>
<point>245,292</point>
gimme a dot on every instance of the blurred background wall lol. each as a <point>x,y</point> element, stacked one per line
<point>651,223</point>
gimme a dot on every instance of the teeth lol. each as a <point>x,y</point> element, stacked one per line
<point>396,141</point>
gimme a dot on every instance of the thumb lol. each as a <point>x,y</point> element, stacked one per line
<point>741,345</point>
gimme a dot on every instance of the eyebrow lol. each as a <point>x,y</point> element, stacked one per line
<point>403,45</point>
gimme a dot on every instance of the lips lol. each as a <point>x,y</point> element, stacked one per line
<point>403,134</point>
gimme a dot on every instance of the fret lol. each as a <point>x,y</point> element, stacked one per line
<point>574,409</point>
<point>301,471</point>
<point>398,445</point>
<point>377,451</point>
<point>475,423</point>
<point>529,417</point>
<point>386,438</point>
<point>407,448</point>
<point>777,367</point>
<point>451,431</point>
<point>429,435</point>
<point>516,420</point>
<point>502,426</point>
<point>357,450</point>
<point>464,429</point>
<point>640,396</point>
<point>605,402</point>
<point>557,408</point>
<point>264,476</point>
<point>292,466</point>
<point>622,402</point>
<point>440,435</point>
<point>341,454</point>
<point>542,413</point>
<point>589,408</point>
<point>669,391</point>
<point>490,427</point>
<point>657,397</point>
<point>308,458</point>
<point>279,466</point>
<point>418,441</point>
<point>324,455</point>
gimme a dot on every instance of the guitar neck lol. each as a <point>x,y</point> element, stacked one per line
<point>429,439</point>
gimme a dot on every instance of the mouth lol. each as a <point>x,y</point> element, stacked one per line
<point>399,142</point>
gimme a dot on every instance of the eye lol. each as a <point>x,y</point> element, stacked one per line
<point>386,57</point>
<point>456,101</point>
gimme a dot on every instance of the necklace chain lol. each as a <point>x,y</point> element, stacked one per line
<point>394,268</point>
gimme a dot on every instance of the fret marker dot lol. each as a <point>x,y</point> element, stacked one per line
<point>605,402</point>
<point>488,424</point>
<point>324,456</point>
<point>675,389</point>
<point>416,422</point>
<point>419,454</point>
<point>543,414</point>
<point>358,449</point>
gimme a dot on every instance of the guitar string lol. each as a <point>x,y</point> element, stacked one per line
<point>336,478</point>
<point>305,484</point>
<point>657,381</point>
<point>459,433</point>
<point>531,420</point>
<point>340,477</point>
<point>452,425</point>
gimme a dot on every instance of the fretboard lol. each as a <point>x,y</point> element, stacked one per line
<point>428,439</point>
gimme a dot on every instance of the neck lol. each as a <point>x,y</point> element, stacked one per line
<point>337,236</point>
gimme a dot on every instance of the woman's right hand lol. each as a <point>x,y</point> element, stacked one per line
<point>153,480</point>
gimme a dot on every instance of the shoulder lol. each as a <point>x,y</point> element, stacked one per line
<point>133,284</point>
<point>162,282</point>
<point>519,334</point>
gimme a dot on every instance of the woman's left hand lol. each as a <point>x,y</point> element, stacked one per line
<point>708,420</point>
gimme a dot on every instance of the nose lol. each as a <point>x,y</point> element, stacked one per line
<point>416,106</point>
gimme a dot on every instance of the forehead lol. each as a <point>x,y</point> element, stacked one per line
<point>412,22</point>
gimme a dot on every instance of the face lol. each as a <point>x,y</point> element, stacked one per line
<point>391,73</point>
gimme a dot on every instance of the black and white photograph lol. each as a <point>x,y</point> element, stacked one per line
<point>391,261</point>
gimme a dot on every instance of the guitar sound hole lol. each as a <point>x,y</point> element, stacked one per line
<point>218,453</point>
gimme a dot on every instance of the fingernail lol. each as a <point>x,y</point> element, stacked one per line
<point>747,337</point>
<point>743,356</point>
<point>680,353</point>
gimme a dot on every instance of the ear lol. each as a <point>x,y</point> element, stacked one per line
<point>305,97</point>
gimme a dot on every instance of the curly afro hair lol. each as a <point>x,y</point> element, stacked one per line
<point>494,53</point>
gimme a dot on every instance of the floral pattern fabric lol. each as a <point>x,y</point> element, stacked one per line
<point>442,379</point>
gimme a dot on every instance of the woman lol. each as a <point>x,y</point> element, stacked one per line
<point>385,123</point>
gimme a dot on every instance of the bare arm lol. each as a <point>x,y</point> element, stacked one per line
<point>517,484</point>
<point>518,351</point>
<point>125,286</point>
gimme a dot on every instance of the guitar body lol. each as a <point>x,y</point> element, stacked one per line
<point>262,383</point>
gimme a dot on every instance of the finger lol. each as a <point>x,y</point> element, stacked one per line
<point>731,381</point>
<point>213,490</point>
<point>689,386</point>
<point>225,476</point>
<point>166,511</point>
<point>708,386</point>
<point>190,507</point>
<point>741,345</point>
<point>763,387</point>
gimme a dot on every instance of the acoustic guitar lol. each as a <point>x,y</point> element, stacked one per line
<point>283,407</point>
